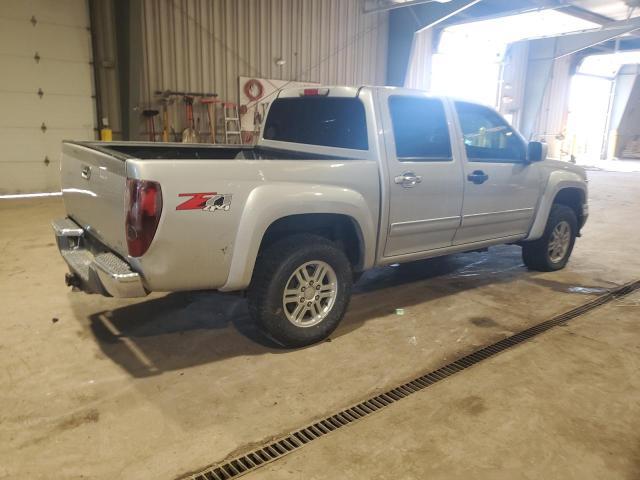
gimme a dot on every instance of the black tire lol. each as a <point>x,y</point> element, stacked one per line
<point>536,255</point>
<point>274,268</point>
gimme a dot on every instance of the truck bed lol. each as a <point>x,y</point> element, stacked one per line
<point>93,177</point>
<point>166,151</point>
<point>182,151</point>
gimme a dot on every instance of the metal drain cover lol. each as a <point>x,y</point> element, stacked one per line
<point>281,447</point>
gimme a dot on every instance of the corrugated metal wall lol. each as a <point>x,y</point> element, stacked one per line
<point>205,45</point>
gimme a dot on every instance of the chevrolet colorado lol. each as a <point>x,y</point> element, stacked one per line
<point>342,179</point>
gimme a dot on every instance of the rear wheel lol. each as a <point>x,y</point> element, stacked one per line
<point>552,251</point>
<point>300,289</point>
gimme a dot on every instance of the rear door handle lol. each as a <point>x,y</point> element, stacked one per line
<point>478,177</point>
<point>408,179</point>
<point>86,172</point>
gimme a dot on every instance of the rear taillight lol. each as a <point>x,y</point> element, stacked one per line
<point>144,207</point>
<point>312,92</point>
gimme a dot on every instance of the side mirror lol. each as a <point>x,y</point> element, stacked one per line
<point>537,151</point>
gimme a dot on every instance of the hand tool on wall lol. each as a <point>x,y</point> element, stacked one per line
<point>165,118</point>
<point>246,136</point>
<point>166,99</point>
<point>210,103</point>
<point>189,134</point>
<point>150,115</point>
<point>183,94</point>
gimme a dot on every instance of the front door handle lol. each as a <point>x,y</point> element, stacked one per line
<point>478,177</point>
<point>408,179</point>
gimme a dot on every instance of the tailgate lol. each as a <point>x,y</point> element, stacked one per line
<point>93,188</point>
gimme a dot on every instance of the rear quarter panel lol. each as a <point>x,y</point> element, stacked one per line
<point>197,249</point>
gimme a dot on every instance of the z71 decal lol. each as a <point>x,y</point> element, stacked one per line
<point>208,201</point>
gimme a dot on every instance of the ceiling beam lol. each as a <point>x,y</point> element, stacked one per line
<point>527,6</point>
<point>585,14</point>
<point>515,8</point>
<point>557,46</point>
<point>375,6</point>
<point>625,44</point>
<point>455,7</point>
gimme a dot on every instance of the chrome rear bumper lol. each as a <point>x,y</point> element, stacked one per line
<point>94,269</point>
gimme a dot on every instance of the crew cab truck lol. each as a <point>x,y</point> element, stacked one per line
<point>342,179</point>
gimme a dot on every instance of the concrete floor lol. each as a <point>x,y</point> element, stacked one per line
<point>610,165</point>
<point>563,406</point>
<point>101,388</point>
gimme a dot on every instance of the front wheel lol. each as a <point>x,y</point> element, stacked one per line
<point>300,289</point>
<point>552,251</point>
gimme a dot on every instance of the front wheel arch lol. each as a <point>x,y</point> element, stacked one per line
<point>536,254</point>
<point>574,198</point>
<point>571,193</point>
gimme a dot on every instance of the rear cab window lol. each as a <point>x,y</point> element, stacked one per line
<point>338,122</point>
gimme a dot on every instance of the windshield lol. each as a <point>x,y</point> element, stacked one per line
<point>330,122</point>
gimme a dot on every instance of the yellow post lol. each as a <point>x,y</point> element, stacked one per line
<point>106,134</point>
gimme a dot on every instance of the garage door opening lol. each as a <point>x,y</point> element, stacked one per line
<point>469,57</point>
<point>602,124</point>
<point>588,108</point>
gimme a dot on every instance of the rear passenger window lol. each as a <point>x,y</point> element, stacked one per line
<point>420,129</point>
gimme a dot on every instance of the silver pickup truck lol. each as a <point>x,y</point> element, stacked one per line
<point>343,179</point>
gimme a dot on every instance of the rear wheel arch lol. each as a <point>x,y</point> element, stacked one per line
<point>343,230</point>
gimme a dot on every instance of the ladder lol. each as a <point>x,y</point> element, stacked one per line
<point>231,123</point>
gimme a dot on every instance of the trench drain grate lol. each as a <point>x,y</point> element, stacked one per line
<point>293,441</point>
